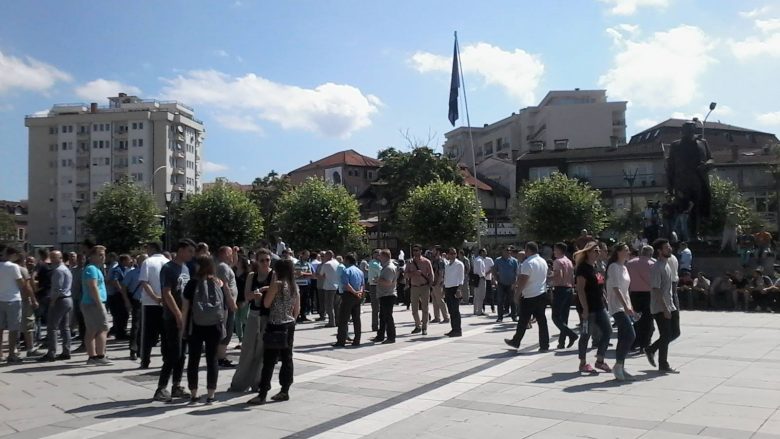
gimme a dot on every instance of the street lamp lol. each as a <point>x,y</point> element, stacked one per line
<point>712,107</point>
<point>168,199</point>
<point>76,205</point>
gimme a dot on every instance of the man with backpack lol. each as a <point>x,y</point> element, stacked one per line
<point>173,278</point>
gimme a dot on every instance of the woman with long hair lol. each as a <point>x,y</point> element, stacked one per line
<point>594,313</point>
<point>250,364</point>
<point>204,300</point>
<point>619,303</point>
<point>283,302</point>
<point>242,271</point>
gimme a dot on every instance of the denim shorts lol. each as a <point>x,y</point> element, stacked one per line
<point>11,315</point>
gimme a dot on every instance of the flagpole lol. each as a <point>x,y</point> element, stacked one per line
<point>471,140</point>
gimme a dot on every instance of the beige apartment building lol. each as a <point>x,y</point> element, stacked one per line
<point>564,119</point>
<point>76,149</point>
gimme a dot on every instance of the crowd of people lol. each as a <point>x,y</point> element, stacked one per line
<point>192,303</point>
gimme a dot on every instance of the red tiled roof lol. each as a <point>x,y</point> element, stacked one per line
<point>349,157</point>
<point>470,180</point>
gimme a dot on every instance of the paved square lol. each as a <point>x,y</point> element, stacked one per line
<point>430,387</point>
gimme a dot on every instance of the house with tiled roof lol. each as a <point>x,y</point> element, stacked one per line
<point>349,168</point>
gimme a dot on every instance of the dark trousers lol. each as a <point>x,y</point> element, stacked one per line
<point>596,319</point>
<point>119,315</point>
<point>305,292</point>
<point>374,307</point>
<point>666,335</point>
<point>151,330</point>
<point>386,322</point>
<point>561,304</point>
<point>453,307</point>
<point>210,336</point>
<point>490,298</point>
<point>135,325</point>
<point>271,356</point>
<point>350,307</point>
<point>503,296</point>
<point>80,319</point>
<point>173,352</point>
<point>533,306</point>
<point>644,326</point>
<point>626,335</point>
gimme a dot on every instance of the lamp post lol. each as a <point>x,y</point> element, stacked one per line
<point>630,179</point>
<point>168,199</point>
<point>712,107</point>
<point>76,205</point>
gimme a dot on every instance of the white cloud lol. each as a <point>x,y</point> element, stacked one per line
<point>629,7</point>
<point>28,74</point>
<point>100,89</point>
<point>772,118</point>
<point>755,12</point>
<point>662,71</point>
<point>643,124</point>
<point>722,110</point>
<point>518,71</point>
<point>211,167</point>
<point>239,123</point>
<point>765,44</point>
<point>221,53</point>
<point>334,110</point>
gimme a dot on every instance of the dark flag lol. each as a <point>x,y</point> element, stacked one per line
<point>454,86</point>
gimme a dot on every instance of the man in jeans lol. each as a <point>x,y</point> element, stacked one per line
<point>419,273</point>
<point>453,281</point>
<point>60,306</point>
<point>353,282</point>
<point>662,306</point>
<point>505,272</point>
<point>531,288</point>
<point>639,270</point>
<point>563,288</point>
<point>385,292</point>
<point>132,290</point>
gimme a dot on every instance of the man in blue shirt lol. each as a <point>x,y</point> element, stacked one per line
<point>353,282</point>
<point>505,271</point>
<point>131,286</point>
<point>118,303</point>
<point>93,307</point>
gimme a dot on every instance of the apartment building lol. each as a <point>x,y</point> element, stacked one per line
<point>564,119</point>
<point>77,149</point>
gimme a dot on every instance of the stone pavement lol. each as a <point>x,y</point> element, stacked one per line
<point>429,387</point>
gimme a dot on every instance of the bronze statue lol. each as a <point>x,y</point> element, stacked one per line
<point>687,169</point>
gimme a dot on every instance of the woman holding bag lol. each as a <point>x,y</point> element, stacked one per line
<point>283,302</point>
<point>250,363</point>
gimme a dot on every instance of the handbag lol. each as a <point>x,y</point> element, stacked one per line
<point>275,337</point>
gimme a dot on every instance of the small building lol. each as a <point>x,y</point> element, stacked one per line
<point>17,210</point>
<point>349,168</point>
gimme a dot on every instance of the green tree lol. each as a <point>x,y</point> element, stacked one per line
<point>439,213</point>
<point>728,206</point>
<point>7,227</point>
<point>123,217</point>
<point>402,172</point>
<point>558,208</point>
<point>221,215</point>
<point>265,193</point>
<point>318,215</point>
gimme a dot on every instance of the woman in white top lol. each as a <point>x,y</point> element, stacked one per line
<point>619,303</point>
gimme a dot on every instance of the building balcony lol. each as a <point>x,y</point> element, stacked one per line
<point>180,155</point>
<point>179,188</point>
<point>180,138</point>
<point>83,134</point>
<point>179,171</point>
<point>120,133</point>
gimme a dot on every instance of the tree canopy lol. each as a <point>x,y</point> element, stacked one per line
<point>7,227</point>
<point>558,207</point>
<point>439,213</point>
<point>123,217</point>
<point>220,216</point>
<point>728,207</point>
<point>265,193</point>
<point>318,215</point>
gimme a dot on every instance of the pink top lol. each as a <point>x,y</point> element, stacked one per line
<point>563,273</point>
<point>639,271</point>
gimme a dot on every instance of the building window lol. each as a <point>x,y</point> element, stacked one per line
<point>489,148</point>
<point>140,125</point>
<point>579,171</point>
<point>135,126</point>
<point>499,144</point>
<point>542,172</point>
<point>642,170</point>
<point>140,142</point>
<point>20,234</point>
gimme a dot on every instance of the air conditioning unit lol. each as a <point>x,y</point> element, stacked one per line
<point>561,144</point>
<point>537,146</point>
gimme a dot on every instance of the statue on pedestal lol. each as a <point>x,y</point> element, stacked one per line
<point>687,169</point>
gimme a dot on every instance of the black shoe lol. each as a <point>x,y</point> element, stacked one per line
<point>512,343</point>
<point>321,319</point>
<point>224,362</point>
<point>133,356</point>
<point>514,319</point>
<point>560,346</point>
<point>46,359</point>
<point>143,366</point>
<point>499,320</point>
<point>650,357</point>
<point>63,356</point>
<point>544,350</point>
<point>338,345</point>
<point>257,400</point>
<point>378,339</point>
<point>355,343</point>
<point>572,340</point>
<point>281,396</point>
<point>668,370</point>
<point>81,349</point>
<point>455,334</point>
<point>179,392</point>
<point>389,341</point>
<point>416,330</point>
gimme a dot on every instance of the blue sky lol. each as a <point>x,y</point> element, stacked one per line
<point>281,83</point>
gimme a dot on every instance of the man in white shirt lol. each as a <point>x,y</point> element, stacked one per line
<point>489,290</point>
<point>453,279</point>
<point>531,291</point>
<point>151,301</point>
<point>280,246</point>
<point>11,287</point>
<point>479,270</point>
<point>686,257</point>
<point>328,273</point>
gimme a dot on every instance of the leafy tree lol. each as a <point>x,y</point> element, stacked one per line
<point>7,227</point>
<point>628,224</point>
<point>222,215</point>
<point>124,216</point>
<point>558,208</point>
<point>440,213</point>
<point>728,206</point>
<point>318,215</point>
<point>402,172</point>
<point>265,194</point>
